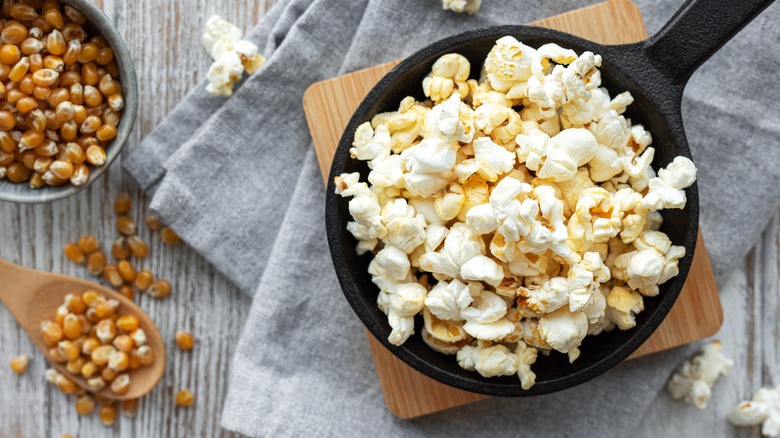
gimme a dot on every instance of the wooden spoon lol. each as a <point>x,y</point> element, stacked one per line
<point>33,297</point>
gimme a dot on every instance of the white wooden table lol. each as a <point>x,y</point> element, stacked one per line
<point>164,38</point>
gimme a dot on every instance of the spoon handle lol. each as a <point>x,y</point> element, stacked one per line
<point>696,31</point>
<point>13,284</point>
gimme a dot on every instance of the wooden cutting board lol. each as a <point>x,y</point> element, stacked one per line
<point>329,104</point>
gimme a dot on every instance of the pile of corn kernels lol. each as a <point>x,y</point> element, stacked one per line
<point>60,96</point>
<point>88,335</point>
<point>122,276</point>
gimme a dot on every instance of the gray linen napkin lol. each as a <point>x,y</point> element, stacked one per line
<point>302,365</point>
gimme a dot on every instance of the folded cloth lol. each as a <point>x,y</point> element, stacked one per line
<point>239,182</point>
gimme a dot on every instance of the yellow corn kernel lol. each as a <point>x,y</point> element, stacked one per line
<point>121,384</point>
<point>144,354</point>
<point>66,385</point>
<point>159,289</point>
<point>95,384</point>
<point>71,327</point>
<point>118,361</point>
<point>127,323</point>
<point>111,275</point>
<point>185,398</point>
<point>153,222</point>
<point>139,337</point>
<point>130,408</point>
<point>169,236</point>
<point>143,280</point>
<point>23,12</point>
<point>91,315</point>
<point>108,374</point>
<point>105,330</point>
<point>74,254</point>
<point>89,369</point>
<point>19,70</point>
<point>184,340</point>
<point>107,415</point>
<point>60,314</point>
<point>56,356</point>
<point>121,249</point>
<point>93,298</point>
<point>123,343</point>
<point>75,304</point>
<point>134,363</point>
<point>76,365</point>
<point>125,225</point>
<point>85,405</point>
<point>126,291</point>
<point>96,263</point>
<point>19,364</point>
<point>107,309</point>
<point>68,349</point>
<point>86,326</point>
<point>123,203</point>
<point>96,155</point>
<point>52,333</point>
<point>126,270</point>
<point>80,175</point>
<point>101,354</point>
<point>89,345</point>
<point>88,244</point>
<point>138,247</point>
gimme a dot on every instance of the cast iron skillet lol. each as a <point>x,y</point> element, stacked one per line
<point>655,71</point>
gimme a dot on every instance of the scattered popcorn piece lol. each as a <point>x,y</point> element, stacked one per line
<point>693,380</point>
<point>232,56</point>
<point>763,409</point>
<point>468,6</point>
<point>517,212</point>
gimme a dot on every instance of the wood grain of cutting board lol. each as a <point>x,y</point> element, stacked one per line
<point>329,104</point>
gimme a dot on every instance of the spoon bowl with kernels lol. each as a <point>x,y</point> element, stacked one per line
<point>96,339</point>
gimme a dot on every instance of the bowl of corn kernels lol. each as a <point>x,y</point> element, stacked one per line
<point>68,97</point>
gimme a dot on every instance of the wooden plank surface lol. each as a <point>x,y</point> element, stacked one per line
<point>164,39</point>
<point>697,313</point>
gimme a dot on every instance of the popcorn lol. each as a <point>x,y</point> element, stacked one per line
<point>763,409</point>
<point>508,63</point>
<point>693,380</point>
<point>405,125</point>
<point>468,6</point>
<point>491,159</point>
<point>512,232</point>
<point>488,361</point>
<point>369,144</point>
<point>526,357</point>
<point>667,189</point>
<point>449,73</point>
<point>443,330</point>
<point>564,331</point>
<point>622,306</point>
<point>584,279</point>
<point>232,56</point>
<point>447,299</point>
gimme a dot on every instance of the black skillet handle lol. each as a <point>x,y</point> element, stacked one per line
<point>696,31</point>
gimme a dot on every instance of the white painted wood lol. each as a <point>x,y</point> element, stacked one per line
<point>164,39</point>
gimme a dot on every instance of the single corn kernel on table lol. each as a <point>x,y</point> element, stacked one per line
<point>35,235</point>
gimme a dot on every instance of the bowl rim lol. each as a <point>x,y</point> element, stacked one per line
<point>127,74</point>
<point>480,384</point>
